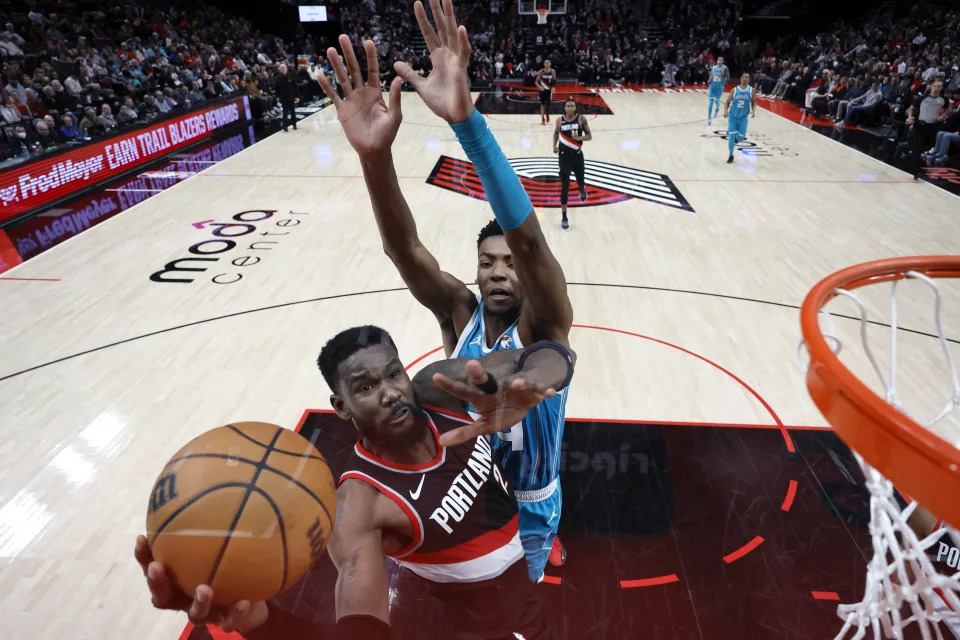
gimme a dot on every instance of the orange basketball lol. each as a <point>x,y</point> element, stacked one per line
<point>246,508</point>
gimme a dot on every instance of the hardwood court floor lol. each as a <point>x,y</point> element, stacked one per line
<point>684,314</point>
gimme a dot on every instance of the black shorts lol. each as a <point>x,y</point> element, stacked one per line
<point>570,160</point>
<point>546,96</point>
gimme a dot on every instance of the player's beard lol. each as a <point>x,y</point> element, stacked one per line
<point>404,438</point>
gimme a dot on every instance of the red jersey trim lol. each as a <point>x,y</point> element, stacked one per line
<point>406,468</point>
<point>471,549</point>
<point>570,141</point>
<point>462,417</point>
<point>401,502</point>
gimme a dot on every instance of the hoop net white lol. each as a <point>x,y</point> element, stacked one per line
<point>903,586</point>
<point>542,14</point>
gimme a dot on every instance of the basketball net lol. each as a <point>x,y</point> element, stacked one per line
<point>542,14</point>
<point>903,587</point>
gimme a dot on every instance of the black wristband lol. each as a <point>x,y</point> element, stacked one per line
<point>362,628</point>
<point>490,386</point>
<point>555,346</point>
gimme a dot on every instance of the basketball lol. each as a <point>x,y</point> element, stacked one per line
<point>246,508</point>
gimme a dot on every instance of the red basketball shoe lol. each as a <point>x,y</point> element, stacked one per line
<point>558,553</point>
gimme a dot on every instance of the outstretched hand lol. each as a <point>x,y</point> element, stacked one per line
<point>370,126</point>
<point>498,411</point>
<point>446,91</point>
<point>243,616</point>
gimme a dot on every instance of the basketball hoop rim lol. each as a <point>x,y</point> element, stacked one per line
<point>918,462</point>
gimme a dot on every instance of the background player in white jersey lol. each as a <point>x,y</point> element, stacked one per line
<point>569,135</point>
<point>483,588</point>
<point>523,292</point>
<point>719,75</point>
<point>741,105</point>
<point>546,78</point>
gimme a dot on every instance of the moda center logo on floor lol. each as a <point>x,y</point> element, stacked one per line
<point>756,144</point>
<point>224,254</point>
<point>605,182</point>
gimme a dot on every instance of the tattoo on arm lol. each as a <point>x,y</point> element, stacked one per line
<point>348,573</point>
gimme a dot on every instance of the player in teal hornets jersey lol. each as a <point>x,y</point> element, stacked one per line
<point>523,292</point>
<point>529,452</point>
<point>719,74</point>
<point>741,104</point>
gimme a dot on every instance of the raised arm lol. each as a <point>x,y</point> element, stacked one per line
<point>370,127</point>
<point>435,289</point>
<point>547,313</point>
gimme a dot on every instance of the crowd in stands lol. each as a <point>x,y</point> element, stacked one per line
<point>86,72</point>
<point>68,76</point>
<point>596,42</point>
<point>876,72</point>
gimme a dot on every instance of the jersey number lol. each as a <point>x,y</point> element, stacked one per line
<point>514,435</point>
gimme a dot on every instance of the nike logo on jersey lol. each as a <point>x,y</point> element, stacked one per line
<point>416,494</point>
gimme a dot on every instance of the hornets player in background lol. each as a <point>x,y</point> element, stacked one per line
<point>523,292</point>
<point>741,104</point>
<point>546,78</point>
<point>569,135</point>
<point>719,75</point>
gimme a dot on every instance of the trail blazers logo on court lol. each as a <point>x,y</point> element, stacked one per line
<point>606,183</point>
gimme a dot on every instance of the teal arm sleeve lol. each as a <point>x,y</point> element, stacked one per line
<point>510,203</point>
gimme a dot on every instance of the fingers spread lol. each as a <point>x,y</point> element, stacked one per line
<point>395,93</point>
<point>476,372</point>
<point>352,65</point>
<point>465,48</point>
<point>373,65</point>
<point>341,71</point>
<point>429,35</point>
<point>450,23</point>
<point>328,90</point>
<point>437,11</point>
<point>456,388</point>
<point>406,72</point>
